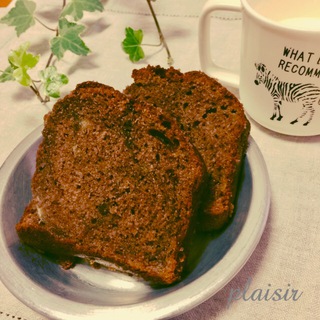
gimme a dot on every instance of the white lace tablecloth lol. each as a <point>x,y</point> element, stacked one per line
<point>288,255</point>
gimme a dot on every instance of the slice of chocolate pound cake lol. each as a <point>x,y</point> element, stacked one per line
<point>215,122</point>
<point>116,182</point>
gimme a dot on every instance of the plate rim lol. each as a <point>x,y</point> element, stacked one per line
<point>159,307</point>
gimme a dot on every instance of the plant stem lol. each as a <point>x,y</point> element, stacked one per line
<point>36,91</point>
<point>34,87</point>
<point>51,54</point>
<point>64,2</point>
<point>162,38</point>
<point>49,60</point>
<point>51,29</point>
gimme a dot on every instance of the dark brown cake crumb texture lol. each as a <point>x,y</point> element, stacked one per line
<point>212,118</point>
<point>120,177</point>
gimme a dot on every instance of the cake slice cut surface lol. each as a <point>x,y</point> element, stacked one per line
<point>115,181</point>
<point>213,119</point>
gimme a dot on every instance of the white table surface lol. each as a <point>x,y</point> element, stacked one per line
<point>287,256</point>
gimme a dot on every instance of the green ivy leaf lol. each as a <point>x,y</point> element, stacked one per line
<point>52,81</point>
<point>76,8</point>
<point>20,16</point>
<point>21,61</point>
<point>68,39</point>
<point>7,75</point>
<point>132,44</point>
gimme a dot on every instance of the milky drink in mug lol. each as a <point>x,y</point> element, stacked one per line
<point>279,80</point>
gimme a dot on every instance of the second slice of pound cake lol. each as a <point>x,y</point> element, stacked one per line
<point>116,182</point>
<point>213,119</point>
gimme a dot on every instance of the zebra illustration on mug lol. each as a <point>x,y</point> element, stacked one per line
<point>305,93</point>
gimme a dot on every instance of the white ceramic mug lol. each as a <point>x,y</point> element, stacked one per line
<point>279,80</point>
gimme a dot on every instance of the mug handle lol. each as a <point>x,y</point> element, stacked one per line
<point>227,77</point>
